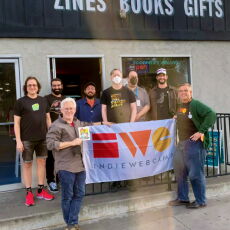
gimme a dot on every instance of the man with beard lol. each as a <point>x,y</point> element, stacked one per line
<point>163,98</point>
<point>89,107</point>
<point>54,100</point>
<point>142,98</point>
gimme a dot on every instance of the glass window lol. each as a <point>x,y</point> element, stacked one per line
<point>178,69</point>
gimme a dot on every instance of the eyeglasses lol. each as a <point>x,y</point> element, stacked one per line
<point>181,91</point>
<point>69,109</point>
<point>32,85</point>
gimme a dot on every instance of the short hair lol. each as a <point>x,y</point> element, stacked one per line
<point>132,71</point>
<point>113,70</point>
<point>68,99</point>
<point>56,79</point>
<point>184,84</point>
<point>25,85</point>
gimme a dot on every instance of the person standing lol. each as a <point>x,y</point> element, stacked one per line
<point>89,107</point>
<point>143,106</point>
<point>54,100</point>
<point>63,139</point>
<point>118,106</point>
<point>163,98</point>
<point>142,98</point>
<point>31,119</point>
<point>193,121</point>
<point>118,102</point>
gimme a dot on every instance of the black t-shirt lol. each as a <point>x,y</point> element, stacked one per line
<point>54,104</point>
<point>118,104</point>
<point>163,104</point>
<point>185,125</point>
<point>33,117</point>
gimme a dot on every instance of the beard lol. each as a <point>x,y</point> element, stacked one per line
<point>57,91</point>
<point>90,96</point>
<point>161,82</point>
<point>133,81</point>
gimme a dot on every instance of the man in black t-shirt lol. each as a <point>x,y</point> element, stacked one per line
<point>31,119</point>
<point>54,101</point>
<point>163,98</point>
<point>118,102</point>
<point>118,106</point>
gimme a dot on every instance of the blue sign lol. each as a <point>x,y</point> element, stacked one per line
<point>215,152</point>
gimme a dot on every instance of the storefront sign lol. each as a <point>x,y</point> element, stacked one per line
<point>192,8</point>
<point>116,19</point>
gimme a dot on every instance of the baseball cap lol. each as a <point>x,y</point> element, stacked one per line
<point>161,70</point>
<point>89,83</point>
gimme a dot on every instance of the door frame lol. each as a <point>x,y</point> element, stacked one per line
<point>53,59</point>
<point>17,61</point>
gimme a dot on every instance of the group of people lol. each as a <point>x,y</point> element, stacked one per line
<point>34,115</point>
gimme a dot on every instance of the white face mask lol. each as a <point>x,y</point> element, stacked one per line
<point>117,79</point>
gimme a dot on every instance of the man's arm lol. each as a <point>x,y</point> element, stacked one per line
<point>48,120</point>
<point>17,131</point>
<point>68,144</point>
<point>142,112</point>
<point>133,108</point>
<point>104,115</point>
<point>54,142</point>
<point>209,118</point>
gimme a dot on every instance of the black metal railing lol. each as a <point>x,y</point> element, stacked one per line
<point>217,160</point>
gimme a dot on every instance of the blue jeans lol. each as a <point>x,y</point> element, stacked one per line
<point>189,162</point>
<point>73,191</point>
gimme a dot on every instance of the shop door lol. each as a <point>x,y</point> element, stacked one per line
<point>9,91</point>
<point>76,72</point>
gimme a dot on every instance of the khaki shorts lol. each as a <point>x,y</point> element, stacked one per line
<point>39,147</point>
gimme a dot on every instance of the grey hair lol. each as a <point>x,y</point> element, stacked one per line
<point>68,99</point>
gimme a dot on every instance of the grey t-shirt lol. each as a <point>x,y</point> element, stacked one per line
<point>142,99</point>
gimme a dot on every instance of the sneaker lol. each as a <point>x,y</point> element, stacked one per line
<point>44,195</point>
<point>52,186</point>
<point>195,205</point>
<point>77,227</point>
<point>178,202</point>
<point>29,199</point>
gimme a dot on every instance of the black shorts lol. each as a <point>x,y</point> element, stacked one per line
<point>39,147</point>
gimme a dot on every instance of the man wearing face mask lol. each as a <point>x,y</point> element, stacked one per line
<point>54,101</point>
<point>118,106</point>
<point>142,98</point>
<point>89,107</point>
<point>163,98</point>
<point>118,102</point>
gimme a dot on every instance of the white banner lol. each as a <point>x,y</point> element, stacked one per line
<point>129,150</point>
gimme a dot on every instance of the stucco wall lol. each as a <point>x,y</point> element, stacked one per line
<point>210,61</point>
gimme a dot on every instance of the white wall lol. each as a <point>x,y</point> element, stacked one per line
<point>210,60</point>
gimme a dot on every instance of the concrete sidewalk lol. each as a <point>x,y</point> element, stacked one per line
<point>15,215</point>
